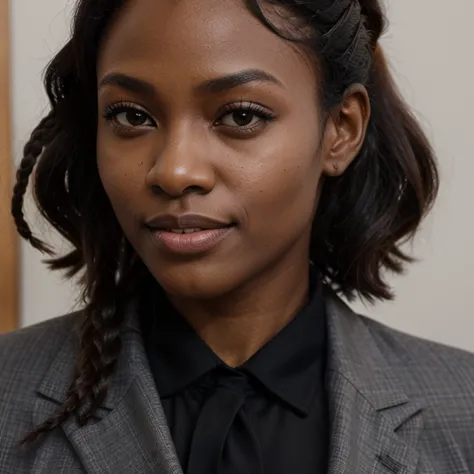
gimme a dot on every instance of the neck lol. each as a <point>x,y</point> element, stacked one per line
<point>236,326</point>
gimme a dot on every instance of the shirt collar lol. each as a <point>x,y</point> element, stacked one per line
<point>291,365</point>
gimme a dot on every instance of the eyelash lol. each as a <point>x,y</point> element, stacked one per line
<point>256,109</point>
<point>113,110</point>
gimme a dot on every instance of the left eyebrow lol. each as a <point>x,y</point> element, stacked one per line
<point>129,83</point>
<point>231,81</point>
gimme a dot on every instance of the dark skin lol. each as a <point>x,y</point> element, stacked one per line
<point>254,155</point>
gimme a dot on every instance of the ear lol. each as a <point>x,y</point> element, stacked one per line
<point>345,130</point>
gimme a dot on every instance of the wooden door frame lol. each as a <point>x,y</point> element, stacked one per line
<point>9,262</point>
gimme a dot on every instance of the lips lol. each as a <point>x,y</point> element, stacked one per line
<point>188,234</point>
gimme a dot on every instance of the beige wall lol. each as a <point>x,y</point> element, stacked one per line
<point>429,45</point>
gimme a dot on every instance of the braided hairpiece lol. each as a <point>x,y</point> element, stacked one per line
<point>341,30</point>
<point>335,14</point>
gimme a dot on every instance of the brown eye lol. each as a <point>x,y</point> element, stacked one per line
<point>133,118</point>
<point>244,118</point>
<point>240,118</point>
<point>129,116</point>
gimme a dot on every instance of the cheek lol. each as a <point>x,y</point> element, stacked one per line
<point>283,193</point>
<point>122,175</point>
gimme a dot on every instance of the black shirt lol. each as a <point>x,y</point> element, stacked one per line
<point>267,416</point>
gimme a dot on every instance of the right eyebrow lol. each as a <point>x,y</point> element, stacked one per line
<point>132,84</point>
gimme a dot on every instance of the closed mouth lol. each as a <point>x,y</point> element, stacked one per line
<point>186,223</point>
<point>189,240</point>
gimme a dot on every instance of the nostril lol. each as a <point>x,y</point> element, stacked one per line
<point>157,190</point>
<point>193,189</point>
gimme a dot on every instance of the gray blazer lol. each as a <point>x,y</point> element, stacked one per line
<point>398,404</point>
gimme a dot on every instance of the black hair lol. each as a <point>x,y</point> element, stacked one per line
<point>363,217</point>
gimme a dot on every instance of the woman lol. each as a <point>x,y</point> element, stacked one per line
<point>223,170</point>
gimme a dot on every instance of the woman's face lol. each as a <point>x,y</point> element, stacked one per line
<point>208,120</point>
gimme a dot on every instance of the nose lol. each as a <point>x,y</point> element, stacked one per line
<point>182,166</point>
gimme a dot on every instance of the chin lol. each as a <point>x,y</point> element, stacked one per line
<point>200,283</point>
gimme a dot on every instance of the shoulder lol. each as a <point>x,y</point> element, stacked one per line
<point>434,365</point>
<point>435,379</point>
<point>26,354</point>
<point>37,341</point>
<point>26,359</point>
<point>418,365</point>
<point>439,377</point>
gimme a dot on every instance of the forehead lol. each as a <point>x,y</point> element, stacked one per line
<point>197,38</point>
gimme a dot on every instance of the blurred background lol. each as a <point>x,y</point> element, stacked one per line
<point>429,44</point>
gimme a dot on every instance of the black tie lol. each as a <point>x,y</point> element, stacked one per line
<point>222,430</point>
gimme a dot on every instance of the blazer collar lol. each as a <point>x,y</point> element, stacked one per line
<point>374,425</point>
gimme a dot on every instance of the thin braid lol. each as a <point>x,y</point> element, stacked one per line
<point>40,138</point>
<point>101,339</point>
<point>54,421</point>
<point>100,355</point>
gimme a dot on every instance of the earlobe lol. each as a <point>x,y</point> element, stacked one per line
<point>345,130</point>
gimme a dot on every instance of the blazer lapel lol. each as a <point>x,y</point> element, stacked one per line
<point>374,425</point>
<point>130,434</point>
